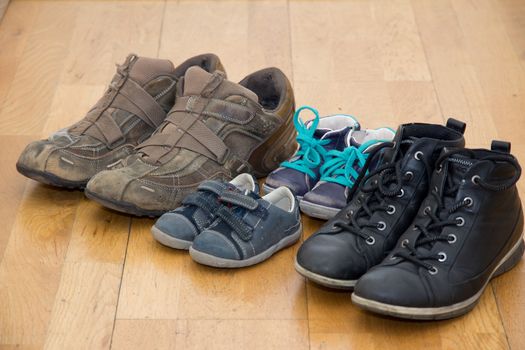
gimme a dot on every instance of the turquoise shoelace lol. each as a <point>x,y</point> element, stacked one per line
<point>311,150</point>
<point>340,165</point>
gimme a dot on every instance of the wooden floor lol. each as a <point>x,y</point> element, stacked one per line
<point>74,275</point>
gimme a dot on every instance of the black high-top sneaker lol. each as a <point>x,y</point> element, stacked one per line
<point>385,204</point>
<point>468,230</point>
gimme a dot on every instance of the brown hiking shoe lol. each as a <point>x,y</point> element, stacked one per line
<point>134,105</point>
<point>216,130</point>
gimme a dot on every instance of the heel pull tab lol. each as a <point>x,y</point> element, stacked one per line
<point>456,125</point>
<point>500,146</point>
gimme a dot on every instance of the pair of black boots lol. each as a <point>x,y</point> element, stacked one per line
<point>428,227</point>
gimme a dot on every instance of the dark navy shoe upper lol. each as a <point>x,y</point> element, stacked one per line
<point>342,169</point>
<point>248,225</point>
<point>198,208</point>
<point>387,200</point>
<point>315,138</point>
<point>471,218</point>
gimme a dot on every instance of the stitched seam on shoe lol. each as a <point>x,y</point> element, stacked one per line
<point>240,243</point>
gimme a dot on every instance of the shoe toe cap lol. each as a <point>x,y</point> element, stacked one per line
<point>394,286</point>
<point>35,155</point>
<point>332,256</point>
<point>214,243</point>
<point>177,226</point>
<point>109,184</point>
<point>327,194</point>
<point>294,180</point>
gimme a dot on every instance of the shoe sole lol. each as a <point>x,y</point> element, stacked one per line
<point>169,241</point>
<point>123,206</point>
<point>50,179</point>
<point>325,281</point>
<point>267,189</point>
<point>511,259</point>
<point>213,261</point>
<point>318,211</point>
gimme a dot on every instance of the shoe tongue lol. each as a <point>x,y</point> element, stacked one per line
<point>456,167</point>
<point>144,69</point>
<point>338,137</point>
<point>356,138</point>
<point>196,80</point>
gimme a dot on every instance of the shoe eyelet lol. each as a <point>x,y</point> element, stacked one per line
<point>439,169</point>
<point>452,238</point>
<point>409,175</point>
<point>393,257</point>
<point>442,256</point>
<point>374,183</point>
<point>370,240</point>
<point>349,214</point>
<point>427,210</point>
<point>433,270</point>
<point>418,155</point>
<point>401,193</point>
<point>404,243</point>
<point>475,179</point>
<point>381,225</point>
<point>391,210</point>
<point>460,221</point>
<point>468,201</point>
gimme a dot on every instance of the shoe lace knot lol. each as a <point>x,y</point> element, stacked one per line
<point>311,149</point>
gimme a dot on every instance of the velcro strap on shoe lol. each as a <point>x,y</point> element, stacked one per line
<point>239,199</point>
<point>225,110</point>
<point>142,103</point>
<point>109,129</point>
<point>212,186</point>
<point>128,96</point>
<point>198,137</point>
<point>237,224</point>
<point>197,200</point>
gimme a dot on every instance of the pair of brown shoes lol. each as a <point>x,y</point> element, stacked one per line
<point>159,130</point>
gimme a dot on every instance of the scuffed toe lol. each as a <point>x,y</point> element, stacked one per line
<point>177,226</point>
<point>331,256</point>
<point>394,286</point>
<point>213,243</point>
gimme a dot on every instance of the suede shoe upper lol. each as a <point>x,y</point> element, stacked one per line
<point>342,169</point>
<point>198,208</point>
<point>316,138</point>
<point>210,133</point>
<point>133,106</point>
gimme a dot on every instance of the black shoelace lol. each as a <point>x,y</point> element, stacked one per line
<point>432,231</point>
<point>388,183</point>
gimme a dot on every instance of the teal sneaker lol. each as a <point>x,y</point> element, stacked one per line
<point>341,171</point>
<point>316,138</point>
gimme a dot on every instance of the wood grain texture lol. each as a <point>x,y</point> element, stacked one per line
<point>75,275</point>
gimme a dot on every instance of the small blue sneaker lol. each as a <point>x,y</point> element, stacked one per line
<point>178,228</point>
<point>341,171</point>
<point>249,229</point>
<point>315,138</point>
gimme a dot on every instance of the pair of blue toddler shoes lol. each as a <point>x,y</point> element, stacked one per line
<point>331,158</point>
<point>227,224</point>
